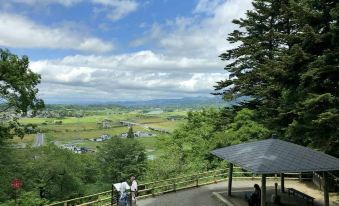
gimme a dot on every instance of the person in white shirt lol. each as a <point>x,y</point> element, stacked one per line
<point>134,190</point>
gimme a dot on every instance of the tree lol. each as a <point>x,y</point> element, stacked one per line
<point>244,128</point>
<point>286,60</point>
<point>130,133</point>
<point>121,158</point>
<point>18,93</point>
<point>253,64</point>
<point>60,173</point>
<point>317,110</point>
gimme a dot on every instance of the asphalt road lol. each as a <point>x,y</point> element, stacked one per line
<point>201,196</point>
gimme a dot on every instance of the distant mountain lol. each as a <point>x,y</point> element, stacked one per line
<point>182,102</point>
<point>215,101</point>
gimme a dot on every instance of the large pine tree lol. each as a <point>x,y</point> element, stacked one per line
<point>286,59</point>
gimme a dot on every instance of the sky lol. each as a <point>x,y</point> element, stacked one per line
<point>113,50</point>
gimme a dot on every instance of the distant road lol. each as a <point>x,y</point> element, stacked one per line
<point>39,140</point>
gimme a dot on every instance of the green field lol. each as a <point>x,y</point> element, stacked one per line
<point>78,130</point>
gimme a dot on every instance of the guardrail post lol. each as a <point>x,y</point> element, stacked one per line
<point>215,176</point>
<point>152,190</point>
<point>300,177</point>
<point>65,204</point>
<point>174,186</point>
<point>196,181</point>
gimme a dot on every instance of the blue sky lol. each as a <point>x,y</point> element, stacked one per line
<point>107,50</point>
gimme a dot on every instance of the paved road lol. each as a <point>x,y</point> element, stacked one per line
<point>39,140</point>
<point>202,196</point>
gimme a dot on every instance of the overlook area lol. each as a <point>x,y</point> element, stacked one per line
<point>169,102</point>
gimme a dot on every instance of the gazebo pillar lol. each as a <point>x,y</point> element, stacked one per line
<point>326,195</point>
<point>230,173</point>
<point>282,182</point>
<point>263,190</point>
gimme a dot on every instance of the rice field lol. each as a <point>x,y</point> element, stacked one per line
<point>73,130</point>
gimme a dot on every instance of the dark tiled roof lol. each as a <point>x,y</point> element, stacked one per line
<point>276,156</point>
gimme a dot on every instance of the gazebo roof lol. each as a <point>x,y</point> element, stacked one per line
<point>273,156</point>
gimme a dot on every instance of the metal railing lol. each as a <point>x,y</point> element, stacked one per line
<point>151,189</point>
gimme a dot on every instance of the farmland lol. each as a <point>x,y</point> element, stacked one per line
<point>79,130</point>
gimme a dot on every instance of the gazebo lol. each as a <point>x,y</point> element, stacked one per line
<point>274,156</point>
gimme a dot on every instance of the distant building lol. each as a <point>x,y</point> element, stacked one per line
<point>139,134</point>
<point>76,149</point>
<point>102,138</point>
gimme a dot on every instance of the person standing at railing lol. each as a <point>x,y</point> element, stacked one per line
<point>134,190</point>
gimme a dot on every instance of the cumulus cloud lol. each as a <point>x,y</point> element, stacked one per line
<point>203,34</point>
<point>21,32</point>
<point>183,60</point>
<point>143,74</point>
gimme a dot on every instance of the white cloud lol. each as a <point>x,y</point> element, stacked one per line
<point>201,35</point>
<point>117,9</point>
<point>207,6</point>
<point>143,75</point>
<point>184,63</point>
<point>20,32</point>
<point>114,9</point>
<point>46,2</point>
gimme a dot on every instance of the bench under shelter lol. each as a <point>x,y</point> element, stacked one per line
<point>274,156</point>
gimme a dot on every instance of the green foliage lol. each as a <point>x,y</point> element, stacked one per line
<point>188,149</point>
<point>130,133</point>
<point>17,93</point>
<point>59,172</point>
<point>121,158</point>
<point>26,199</point>
<point>286,59</point>
<point>244,128</point>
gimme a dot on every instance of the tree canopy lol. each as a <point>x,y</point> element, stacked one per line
<point>18,92</point>
<point>286,59</point>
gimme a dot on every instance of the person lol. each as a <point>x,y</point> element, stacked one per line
<point>134,190</point>
<point>123,199</point>
<point>254,198</point>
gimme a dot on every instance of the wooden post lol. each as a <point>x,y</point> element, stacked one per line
<point>263,190</point>
<point>282,182</point>
<point>326,196</point>
<point>153,190</point>
<point>230,173</point>
<point>174,186</point>
<point>215,176</point>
